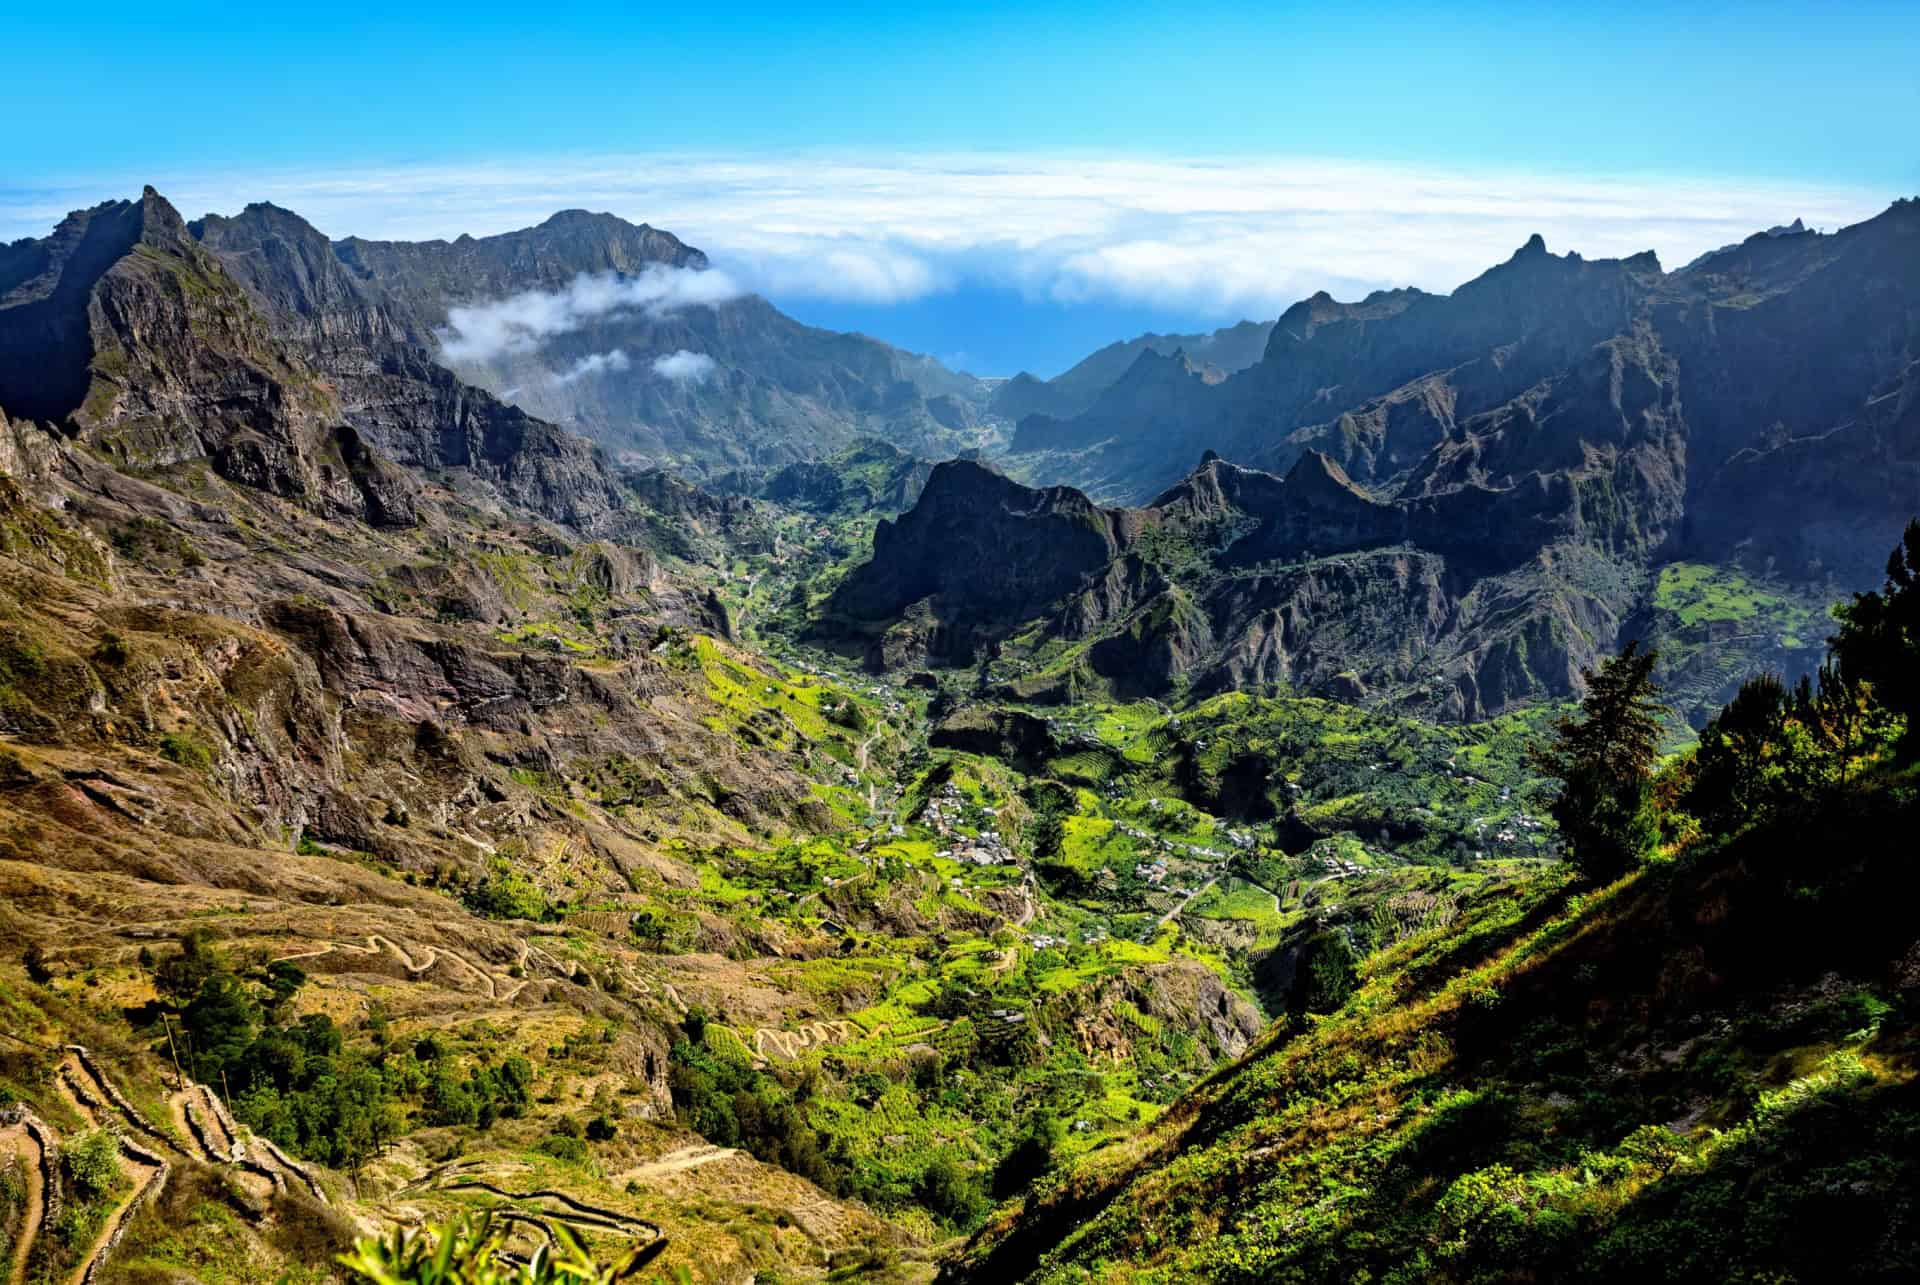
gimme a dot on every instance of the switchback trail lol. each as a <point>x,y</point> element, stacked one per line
<point>22,1139</point>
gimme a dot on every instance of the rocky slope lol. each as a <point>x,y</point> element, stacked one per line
<point>1470,597</point>
<point>1463,501</point>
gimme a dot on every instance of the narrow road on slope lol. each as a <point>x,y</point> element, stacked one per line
<point>147,1171</point>
<point>1178,910</point>
<point>676,1162</point>
<point>16,1140</point>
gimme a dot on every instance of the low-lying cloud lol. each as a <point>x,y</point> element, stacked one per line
<point>525,321</point>
<point>593,364</point>
<point>1225,236</point>
<point>685,367</point>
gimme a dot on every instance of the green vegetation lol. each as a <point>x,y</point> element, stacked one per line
<point>188,750</point>
<point>298,1082</point>
<point>1604,762</point>
<point>468,1252</point>
<point>1685,1056</point>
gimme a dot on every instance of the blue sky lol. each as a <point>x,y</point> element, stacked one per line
<point>432,120</point>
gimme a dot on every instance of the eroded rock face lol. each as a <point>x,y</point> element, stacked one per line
<point>1497,580</point>
<point>158,358</point>
<point>986,549</point>
<point>1184,996</point>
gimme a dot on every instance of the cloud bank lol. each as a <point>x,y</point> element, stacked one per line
<point>685,366</point>
<point>1224,236</point>
<point>525,321</point>
<point>593,364</point>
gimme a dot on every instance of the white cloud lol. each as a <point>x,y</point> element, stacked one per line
<point>1227,236</point>
<point>593,364</point>
<point>685,366</point>
<point>523,322</point>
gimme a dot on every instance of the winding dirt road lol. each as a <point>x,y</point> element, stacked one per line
<point>19,1140</point>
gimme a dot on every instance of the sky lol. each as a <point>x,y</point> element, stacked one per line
<point>1005,187</point>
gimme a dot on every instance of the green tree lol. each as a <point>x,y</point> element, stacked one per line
<point>220,1024</point>
<point>1604,759</point>
<point>1879,639</point>
<point>952,1191</point>
<point>1736,768</point>
<point>180,976</point>
<point>1030,1158</point>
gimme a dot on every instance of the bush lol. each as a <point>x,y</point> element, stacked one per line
<point>507,893</point>
<point>561,1147</point>
<point>92,1162</point>
<point>186,750</point>
<point>952,1192</point>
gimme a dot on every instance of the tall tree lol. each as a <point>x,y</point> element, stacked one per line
<point>1603,759</point>
<point>1879,638</point>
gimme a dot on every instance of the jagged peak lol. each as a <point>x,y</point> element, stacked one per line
<point>160,223</point>
<point>1318,473</point>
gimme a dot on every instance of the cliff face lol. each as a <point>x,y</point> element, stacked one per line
<point>159,358</point>
<point>1504,566</point>
<point>1480,488</point>
<point>983,550</point>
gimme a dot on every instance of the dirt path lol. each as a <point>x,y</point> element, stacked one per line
<point>18,1140</point>
<point>558,1206</point>
<point>808,1035</point>
<point>1179,910</point>
<point>378,945</point>
<point>676,1162</point>
<point>147,1172</point>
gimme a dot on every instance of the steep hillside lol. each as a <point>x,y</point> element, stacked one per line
<point>1493,582</point>
<point>1463,500</point>
<point>1626,1083</point>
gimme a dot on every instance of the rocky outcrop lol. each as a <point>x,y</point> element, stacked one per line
<point>1183,996</point>
<point>871,476</point>
<point>160,359</point>
<point>985,548</point>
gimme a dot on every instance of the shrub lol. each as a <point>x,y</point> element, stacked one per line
<point>562,1147</point>
<point>92,1162</point>
<point>187,750</point>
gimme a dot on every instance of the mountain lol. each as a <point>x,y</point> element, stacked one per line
<point>1463,597</point>
<point>1220,353</point>
<point>705,387</point>
<point>402,810</point>
<point>1460,502</point>
<point>1794,347</point>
